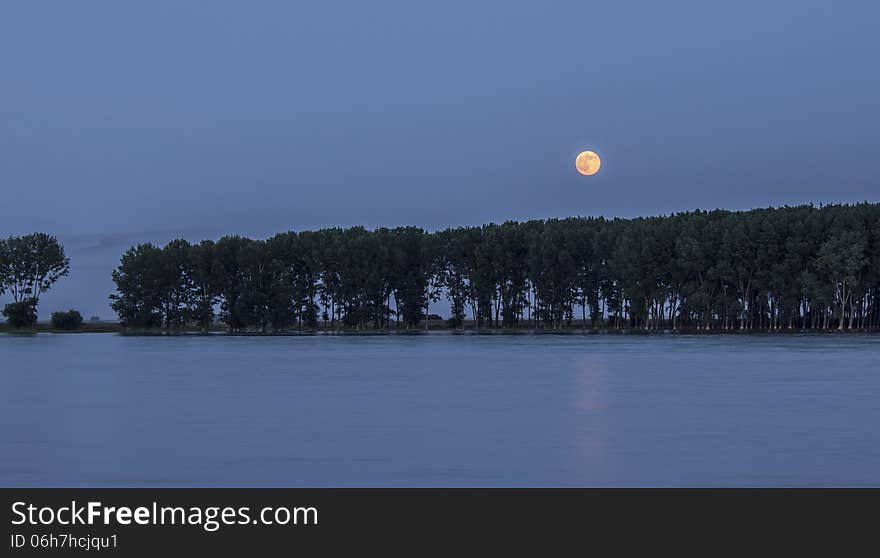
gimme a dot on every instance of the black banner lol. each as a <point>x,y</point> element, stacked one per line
<point>133,522</point>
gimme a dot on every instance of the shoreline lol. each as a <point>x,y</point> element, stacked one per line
<point>525,331</point>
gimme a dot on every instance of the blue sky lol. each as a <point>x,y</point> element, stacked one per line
<point>123,122</point>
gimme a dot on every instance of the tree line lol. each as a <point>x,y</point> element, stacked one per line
<point>765,269</point>
<point>29,266</point>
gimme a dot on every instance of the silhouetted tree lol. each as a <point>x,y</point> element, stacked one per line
<point>766,269</point>
<point>68,321</point>
<point>29,266</point>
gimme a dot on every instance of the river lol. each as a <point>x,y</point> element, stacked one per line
<point>440,410</point>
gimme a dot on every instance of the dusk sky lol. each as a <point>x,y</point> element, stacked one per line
<point>123,122</point>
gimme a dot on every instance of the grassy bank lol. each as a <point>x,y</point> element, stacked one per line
<point>469,327</point>
<point>45,327</point>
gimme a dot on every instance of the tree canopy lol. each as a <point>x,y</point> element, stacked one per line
<point>29,266</point>
<point>766,269</point>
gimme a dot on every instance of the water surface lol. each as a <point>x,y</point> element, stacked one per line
<point>440,410</point>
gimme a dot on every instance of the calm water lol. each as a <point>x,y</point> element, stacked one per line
<point>439,410</point>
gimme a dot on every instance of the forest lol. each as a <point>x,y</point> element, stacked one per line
<point>774,269</point>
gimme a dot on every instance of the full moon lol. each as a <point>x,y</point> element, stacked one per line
<point>588,163</point>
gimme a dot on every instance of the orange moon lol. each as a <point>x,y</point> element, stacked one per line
<point>588,163</point>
